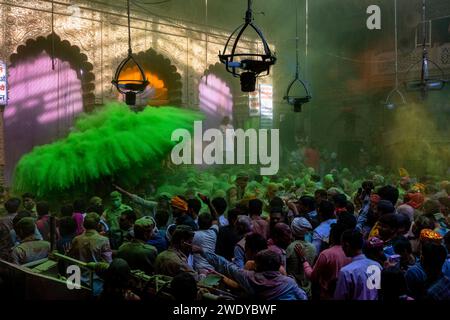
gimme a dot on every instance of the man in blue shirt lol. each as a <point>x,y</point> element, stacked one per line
<point>360,279</point>
<point>321,234</point>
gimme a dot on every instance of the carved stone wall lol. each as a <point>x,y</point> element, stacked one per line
<point>100,31</point>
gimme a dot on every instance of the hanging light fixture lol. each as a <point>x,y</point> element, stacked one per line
<point>129,88</point>
<point>426,83</point>
<point>247,66</point>
<point>388,103</point>
<point>298,101</point>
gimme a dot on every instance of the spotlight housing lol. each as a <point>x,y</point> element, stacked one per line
<point>247,66</point>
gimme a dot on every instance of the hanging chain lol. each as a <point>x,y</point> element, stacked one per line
<point>53,35</point>
<point>306,36</point>
<point>396,44</point>
<point>424,27</point>
<point>249,13</point>
<point>297,65</point>
<point>129,28</point>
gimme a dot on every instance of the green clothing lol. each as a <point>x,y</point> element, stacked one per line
<point>173,262</point>
<point>139,255</point>
<point>146,205</point>
<point>112,216</point>
<point>295,269</point>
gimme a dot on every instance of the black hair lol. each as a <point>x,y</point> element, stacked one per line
<point>181,234</point>
<point>276,202</point>
<point>67,210</point>
<point>67,226</point>
<point>367,185</point>
<point>326,209</point>
<point>20,215</point>
<point>27,195</point>
<point>308,202</point>
<point>276,210</point>
<point>220,204</point>
<point>161,218</point>
<point>204,220</point>
<point>350,207</point>
<point>12,205</point>
<point>433,257</point>
<point>25,227</point>
<point>255,207</point>
<point>336,231</point>
<point>393,284</point>
<point>195,205</point>
<point>354,238</point>
<point>184,287</point>
<point>255,242</point>
<point>96,208</point>
<point>347,219</point>
<point>340,200</point>
<point>117,278</point>
<point>42,208</point>
<point>321,192</point>
<point>232,215</point>
<point>389,193</point>
<point>389,219</point>
<point>79,205</point>
<point>403,221</point>
<point>267,260</point>
<point>401,245</point>
<point>431,207</point>
<point>422,222</point>
<point>130,214</point>
<point>385,207</point>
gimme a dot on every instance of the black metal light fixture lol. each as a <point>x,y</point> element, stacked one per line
<point>298,101</point>
<point>426,82</point>
<point>129,88</point>
<point>389,104</point>
<point>247,66</point>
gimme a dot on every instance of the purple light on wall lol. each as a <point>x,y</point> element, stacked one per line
<point>216,100</point>
<point>42,106</point>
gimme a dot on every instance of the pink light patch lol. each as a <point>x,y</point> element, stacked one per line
<point>216,100</point>
<point>42,106</point>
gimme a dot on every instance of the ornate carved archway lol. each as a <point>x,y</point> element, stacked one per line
<point>63,50</point>
<point>239,99</point>
<point>163,68</point>
<point>50,83</point>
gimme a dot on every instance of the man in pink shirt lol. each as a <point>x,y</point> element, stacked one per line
<point>330,261</point>
<point>78,214</point>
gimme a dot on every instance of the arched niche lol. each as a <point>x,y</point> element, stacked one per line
<point>50,83</point>
<point>165,86</point>
<point>219,96</point>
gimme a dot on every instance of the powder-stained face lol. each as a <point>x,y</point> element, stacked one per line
<point>28,203</point>
<point>117,202</point>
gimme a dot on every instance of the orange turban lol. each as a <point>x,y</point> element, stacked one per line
<point>415,200</point>
<point>430,235</point>
<point>179,203</point>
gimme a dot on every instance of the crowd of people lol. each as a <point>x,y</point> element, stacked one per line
<point>286,237</point>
